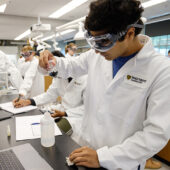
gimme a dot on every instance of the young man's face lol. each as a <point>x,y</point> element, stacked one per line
<point>119,49</point>
<point>72,50</point>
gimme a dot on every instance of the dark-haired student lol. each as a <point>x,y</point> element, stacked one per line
<point>126,119</point>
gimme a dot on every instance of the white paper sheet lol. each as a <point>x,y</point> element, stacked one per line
<point>25,129</point>
<point>10,108</point>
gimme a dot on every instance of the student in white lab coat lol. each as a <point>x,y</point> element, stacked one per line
<point>126,119</point>
<point>72,104</point>
<point>32,78</point>
<point>7,66</point>
<point>23,64</point>
<point>70,50</point>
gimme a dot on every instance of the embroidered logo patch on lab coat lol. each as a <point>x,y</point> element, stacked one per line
<point>135,80</point>
<point>77,83</point>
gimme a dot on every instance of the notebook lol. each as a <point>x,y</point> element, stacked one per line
<point>10,108</point>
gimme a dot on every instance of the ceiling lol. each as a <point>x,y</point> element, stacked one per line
<point>21,14</point>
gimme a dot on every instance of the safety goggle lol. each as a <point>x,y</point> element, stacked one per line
<point>73,49</point>
<point>26,54</point>
<point>103,43</point>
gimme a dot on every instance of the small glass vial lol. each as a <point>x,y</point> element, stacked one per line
<point>52,71</point>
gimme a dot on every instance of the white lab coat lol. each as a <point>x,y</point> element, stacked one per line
<point>33,83</point>
<point>23,66</point>
<point>7,66</point>
<point>72,94</point>
<point>127,118</point>
<point>57,88</point>
<point>68,55</point>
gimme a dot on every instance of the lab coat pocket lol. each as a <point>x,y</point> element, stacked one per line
<point>126,98</point>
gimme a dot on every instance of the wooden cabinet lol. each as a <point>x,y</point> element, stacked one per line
<point>48,81</point>
<point>165,153</point>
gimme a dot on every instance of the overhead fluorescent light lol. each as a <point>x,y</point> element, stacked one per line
<point>58,34</point>
<point>26,33</point>
<point>65,32</point>
<point>3,7</point>
<point>71,23</point>
<point>67,8</point>
<point>152,3</point>
<point>48,38</point>
<point>37,37</point>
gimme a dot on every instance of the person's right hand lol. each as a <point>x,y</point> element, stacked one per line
<point>21,103</point>
<point>45,56</point>
<point>58,113</point>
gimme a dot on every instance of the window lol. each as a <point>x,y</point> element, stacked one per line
<point>162,44</point>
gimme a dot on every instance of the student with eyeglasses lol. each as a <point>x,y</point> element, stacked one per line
<point>28,66</point>
<point>70,50</point>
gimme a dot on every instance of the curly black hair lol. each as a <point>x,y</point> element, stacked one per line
<point>114,15</point>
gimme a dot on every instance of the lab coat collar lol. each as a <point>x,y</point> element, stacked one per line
<point>142,54</point>
<point>108,71</point>
<point>68,55</point>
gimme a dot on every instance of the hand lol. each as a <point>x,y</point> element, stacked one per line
<point>21,103</point>
<point>17,99</point>
<point>58,113</point>
<point>85,156</point>
<point>59,99</point>
<point>45,56</point>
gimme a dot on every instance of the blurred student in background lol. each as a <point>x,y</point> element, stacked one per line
<point>33,83</point>
<point>70,50</point>
<point>7,66</point>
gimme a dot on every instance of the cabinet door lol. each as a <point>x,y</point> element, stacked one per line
<point>165,152</point>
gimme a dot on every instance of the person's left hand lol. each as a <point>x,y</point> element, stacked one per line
<point>85,156</point>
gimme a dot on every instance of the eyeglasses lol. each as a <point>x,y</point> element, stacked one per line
<point>73,49</point>
<point>105,42</point>
<point>26,54</point>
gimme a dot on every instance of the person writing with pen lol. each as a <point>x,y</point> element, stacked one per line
<point>71,107</point>
<point>30,86</point>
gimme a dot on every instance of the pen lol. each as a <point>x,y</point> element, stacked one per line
<point>51,112</point>
<point>18,98</point>
<point>35,123</point>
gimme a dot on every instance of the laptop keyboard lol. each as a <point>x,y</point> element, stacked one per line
<point>9,161</point>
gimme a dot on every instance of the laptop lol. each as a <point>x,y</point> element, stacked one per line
<point>22,157</point>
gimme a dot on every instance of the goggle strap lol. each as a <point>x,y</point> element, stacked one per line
<point>132,25</point>
<point>136,25</point>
